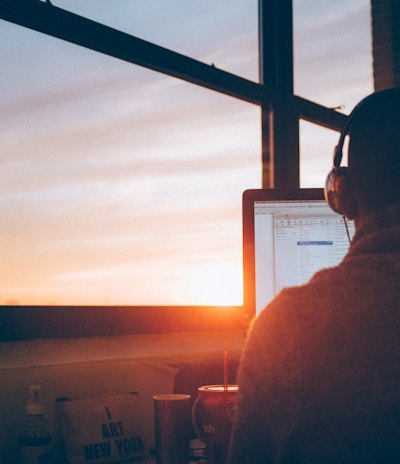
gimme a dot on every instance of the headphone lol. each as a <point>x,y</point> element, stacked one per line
<point>338,185</point>
<point>338,189</point>
<point>338,176</point>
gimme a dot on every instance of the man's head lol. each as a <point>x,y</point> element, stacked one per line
<point>372,179</point>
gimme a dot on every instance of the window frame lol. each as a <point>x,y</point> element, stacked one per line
<point>280,113</point>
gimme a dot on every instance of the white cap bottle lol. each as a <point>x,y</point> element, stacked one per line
<point>35,440</point>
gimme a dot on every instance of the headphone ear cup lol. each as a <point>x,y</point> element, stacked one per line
<point>332,189</point>
<point>339,192</point>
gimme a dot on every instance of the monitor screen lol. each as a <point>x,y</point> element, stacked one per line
<point>288,235</point>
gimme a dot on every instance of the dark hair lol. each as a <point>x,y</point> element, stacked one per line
<point>374,150</point>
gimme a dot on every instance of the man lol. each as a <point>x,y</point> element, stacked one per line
<point>319,380</point>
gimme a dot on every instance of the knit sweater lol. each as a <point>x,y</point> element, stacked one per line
<point>319,380</point>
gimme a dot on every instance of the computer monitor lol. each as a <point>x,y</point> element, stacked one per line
<point>288,235</point>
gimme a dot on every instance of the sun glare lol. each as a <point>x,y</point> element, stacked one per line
<point>215,285</point>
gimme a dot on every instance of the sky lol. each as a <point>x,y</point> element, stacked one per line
<point>121,186</point>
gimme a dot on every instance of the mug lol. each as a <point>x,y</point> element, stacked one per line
<point>212,416</point>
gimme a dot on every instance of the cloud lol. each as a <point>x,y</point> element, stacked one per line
<point>333,56</point>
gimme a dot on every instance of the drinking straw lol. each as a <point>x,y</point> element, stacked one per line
<point>226,366</point>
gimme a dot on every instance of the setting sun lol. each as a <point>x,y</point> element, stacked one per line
<point>219,285</point>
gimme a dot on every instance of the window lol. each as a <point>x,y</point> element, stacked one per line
<point>121,185</point>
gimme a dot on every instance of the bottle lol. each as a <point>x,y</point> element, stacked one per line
<point>35,441</point>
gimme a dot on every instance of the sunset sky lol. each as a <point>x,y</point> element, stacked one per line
<point>119,185</point>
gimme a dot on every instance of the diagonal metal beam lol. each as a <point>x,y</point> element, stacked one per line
<point>64,25</point>
<point>56,22</point>
<point>318,114</point>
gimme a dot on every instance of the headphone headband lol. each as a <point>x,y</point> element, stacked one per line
<point>338,152</point>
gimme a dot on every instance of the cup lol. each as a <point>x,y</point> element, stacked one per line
<point>212,415</point>
<point>172,428</point>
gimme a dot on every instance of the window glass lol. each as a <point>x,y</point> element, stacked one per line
<point>332,67</point>
<point>123,186</point>
<point>223,32</point>
<point>119,185</point>
<point>317,144</point>
<point>332,51</point>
